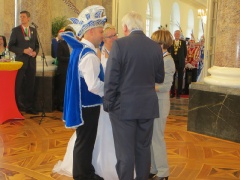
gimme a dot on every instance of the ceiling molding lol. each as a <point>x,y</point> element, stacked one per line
<point>199,4</point>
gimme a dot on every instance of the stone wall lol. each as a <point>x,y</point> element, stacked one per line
<point>214,111</point>
<point>42,13</point>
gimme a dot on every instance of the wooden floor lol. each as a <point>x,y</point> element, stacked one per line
<point>28,151</point>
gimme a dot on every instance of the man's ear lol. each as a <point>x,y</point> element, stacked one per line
<point>125,29</point>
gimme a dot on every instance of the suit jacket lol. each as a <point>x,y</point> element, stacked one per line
<point>134,65</point>
<point>17,44</point>
<point>179,58</point>
<point>63,55</point>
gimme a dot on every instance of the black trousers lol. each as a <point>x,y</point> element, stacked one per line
<point>60,88</point>
<point>179,74</point>
<point>190,76</point>
<point>25,83</point>
<point>84,144</point>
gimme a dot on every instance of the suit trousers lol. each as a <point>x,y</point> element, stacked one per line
<point>60,88</point>
<point>25,83</point>
<point>179,73</point>
<point>132,140</point>
<point>84,144</point>
<point>159,161</point>
<point>190,76</point>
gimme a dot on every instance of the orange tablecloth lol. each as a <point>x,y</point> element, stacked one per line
<point>8,106</point>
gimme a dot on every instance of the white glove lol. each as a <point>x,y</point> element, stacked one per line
<point>189,66</point>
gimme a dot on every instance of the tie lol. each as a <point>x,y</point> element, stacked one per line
<point>26,31</point>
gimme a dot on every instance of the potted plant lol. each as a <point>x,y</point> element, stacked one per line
<point>58,23</point>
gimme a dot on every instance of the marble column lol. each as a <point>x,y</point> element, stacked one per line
<point>40,11</point>
<point>226,67</point>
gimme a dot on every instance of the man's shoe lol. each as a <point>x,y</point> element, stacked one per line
<point>31,111</point>
<point>151,176</point>
<point>172,95</point>
<point>160,178</point>
<point>178,96</point>
<point>96,177</point>
<point>60,108</point>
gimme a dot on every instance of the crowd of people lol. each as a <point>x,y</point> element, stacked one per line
<point>114,91</point>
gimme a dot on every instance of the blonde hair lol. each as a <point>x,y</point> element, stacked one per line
<point>107,27</point>
<point>163,37</point>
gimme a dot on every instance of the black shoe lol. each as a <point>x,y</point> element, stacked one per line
<point>151,176</point>
<point>160,178</point>
<point>172,95</point>
<point>96,177</point>
<point>31,111</point>
<point>60,108</point>
<point>178,96</point>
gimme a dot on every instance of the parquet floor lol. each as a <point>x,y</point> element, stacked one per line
<point>28,151</point>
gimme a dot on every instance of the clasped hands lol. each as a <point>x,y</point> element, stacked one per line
<point>29,51</point>
<point>189,66</point>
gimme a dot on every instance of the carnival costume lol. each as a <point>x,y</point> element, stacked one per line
<point>76,91</point>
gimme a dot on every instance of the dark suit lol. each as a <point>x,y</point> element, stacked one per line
<point>179,60</point>
<point>27,72</point>
<point>63,55</point>
<point>134,65</point>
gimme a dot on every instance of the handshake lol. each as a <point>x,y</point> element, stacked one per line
<point>189,66</point>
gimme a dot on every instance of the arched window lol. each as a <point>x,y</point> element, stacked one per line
<point>175,18</point>
<point>148,19</point>
<point>190,25</point>
<point>153,16</point>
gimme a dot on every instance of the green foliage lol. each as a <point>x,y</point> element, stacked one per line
<point>58,23</point>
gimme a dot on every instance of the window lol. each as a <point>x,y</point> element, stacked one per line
<point>190,25</point>
<point>148,19</point>
<point>175,18</point>
<point>153,16</point>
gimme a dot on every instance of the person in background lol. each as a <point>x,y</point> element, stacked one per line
<point>134,65</point>
<point>192,60</point>
<point>179,53</point>
<point>3,45</point>
<point>159,163</point>
<point>24,43</point>
<point>201,58</point>
<point>63,55</point>
<point>54,44</point>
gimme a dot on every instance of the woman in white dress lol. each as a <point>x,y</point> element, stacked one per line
<point>104,158</point>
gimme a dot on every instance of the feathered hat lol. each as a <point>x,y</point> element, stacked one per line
<point>90,17</point>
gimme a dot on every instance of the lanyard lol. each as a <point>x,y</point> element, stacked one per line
<point>26,36</point>
<point>106,50</point>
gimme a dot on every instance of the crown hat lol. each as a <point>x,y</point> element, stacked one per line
<point>91,17</point>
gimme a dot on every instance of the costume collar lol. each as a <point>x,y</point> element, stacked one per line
<point>88,43</point>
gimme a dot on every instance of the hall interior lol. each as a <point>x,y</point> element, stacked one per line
<point>29,150</point>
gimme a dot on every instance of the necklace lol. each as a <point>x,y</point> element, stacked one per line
<point>176,47</point>
<point>106,50</point>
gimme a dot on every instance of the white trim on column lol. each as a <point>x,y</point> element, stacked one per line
<point>223,76</point>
